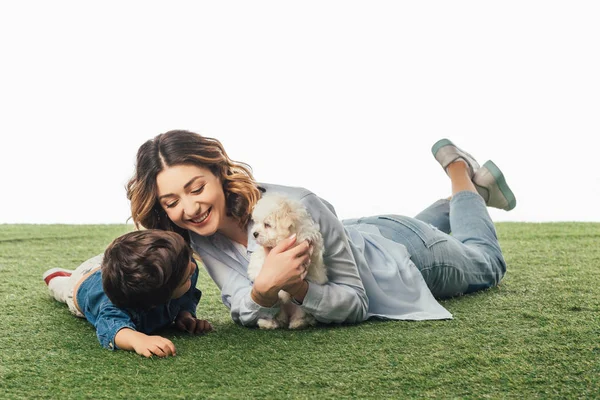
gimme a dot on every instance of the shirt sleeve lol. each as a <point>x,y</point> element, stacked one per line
<point>111,320</point>
<point>189,301</point>
<point>343,298</point>
<point>236,296</point>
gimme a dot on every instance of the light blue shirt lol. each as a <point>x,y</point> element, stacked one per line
<point>369,275</point>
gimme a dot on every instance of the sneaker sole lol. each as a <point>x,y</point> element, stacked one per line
<point>439,144</point>
<point>502,185</point>
<point>465,156</point>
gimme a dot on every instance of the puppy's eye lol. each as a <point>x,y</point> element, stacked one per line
<point>267,225</point>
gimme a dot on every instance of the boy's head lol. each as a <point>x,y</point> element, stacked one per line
<point>143,269</point>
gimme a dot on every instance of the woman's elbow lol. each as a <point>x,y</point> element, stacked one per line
<point>363,308</point>
<point>248,321</point>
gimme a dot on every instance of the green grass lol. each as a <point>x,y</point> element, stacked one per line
<point>537,335</point>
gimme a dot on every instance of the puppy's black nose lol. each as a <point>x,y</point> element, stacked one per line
<point>255,234</point>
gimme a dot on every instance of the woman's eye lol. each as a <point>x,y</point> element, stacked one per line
<point>171,205</point>
<point>267,225</point>
<point>196,191</point>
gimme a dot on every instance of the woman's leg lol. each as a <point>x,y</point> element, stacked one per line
<point>472,226</point>
<point>449,266</point>
<point>471,259</point>
<point>468,260</point>
<point>437,215</point>
<point>470,221</point>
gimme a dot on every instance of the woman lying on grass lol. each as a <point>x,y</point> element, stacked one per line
<point>385,266</point>
<point>144,281</point>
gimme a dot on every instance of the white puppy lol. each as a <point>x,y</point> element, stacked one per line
<point>276,218</point>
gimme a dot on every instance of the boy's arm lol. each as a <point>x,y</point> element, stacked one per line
<point>116,330</point>
<point>109,321</point>
<point>145,345</point>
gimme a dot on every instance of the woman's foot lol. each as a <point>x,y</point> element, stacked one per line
<point>446,152</point>
<point>488,180</point>
<point>491,185</point>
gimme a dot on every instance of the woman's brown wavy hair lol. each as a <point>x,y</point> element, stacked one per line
<point>179,147</point>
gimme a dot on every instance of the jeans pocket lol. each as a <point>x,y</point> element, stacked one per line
<point>427,233</point>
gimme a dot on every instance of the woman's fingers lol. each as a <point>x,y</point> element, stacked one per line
<point>303,275</point>
<point>301,249</point>
<point>285,244</point>
<point>285,266</point>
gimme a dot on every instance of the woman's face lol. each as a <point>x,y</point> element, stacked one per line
<point>192,197</point>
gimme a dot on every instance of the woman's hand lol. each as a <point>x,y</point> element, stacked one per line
<point>185,321</point>
<point>284,268</point>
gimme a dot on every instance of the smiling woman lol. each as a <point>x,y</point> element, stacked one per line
<point>191,195</point>
<point>196,176</point>
<point>386,266</point>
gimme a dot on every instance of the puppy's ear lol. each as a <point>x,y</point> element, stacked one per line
<point>285,215</point>
<point>285,220</point>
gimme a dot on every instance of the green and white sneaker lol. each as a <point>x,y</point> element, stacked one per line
<point>491,185</point>
<point>446,152</point>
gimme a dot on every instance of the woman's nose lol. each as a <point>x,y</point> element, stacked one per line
<point>190,207</point>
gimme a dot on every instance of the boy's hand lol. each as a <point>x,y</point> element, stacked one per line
<point>147,346</point>
<point>154,346</point>
<point>185,321</point>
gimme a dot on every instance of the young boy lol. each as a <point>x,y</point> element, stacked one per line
<point>144,281</point>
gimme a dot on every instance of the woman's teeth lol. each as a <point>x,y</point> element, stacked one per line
<point>201,218</point>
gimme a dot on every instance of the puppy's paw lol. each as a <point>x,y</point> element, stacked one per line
<point>298,324</point>
<point>268,324</point>
<point>302,322</point>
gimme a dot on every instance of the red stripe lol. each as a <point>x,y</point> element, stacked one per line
<point>55,274</point>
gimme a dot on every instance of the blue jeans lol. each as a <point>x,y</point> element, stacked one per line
<point>465,261</point>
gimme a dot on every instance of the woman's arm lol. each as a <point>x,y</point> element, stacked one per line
<point>283,269</point>
<point>244,310</point>
<point>343,298</point>
<point>231,277</point>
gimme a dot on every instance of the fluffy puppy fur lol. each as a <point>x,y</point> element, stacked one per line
<point>276,218</point>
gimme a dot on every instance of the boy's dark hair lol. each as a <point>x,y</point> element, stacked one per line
<point>141,269</point>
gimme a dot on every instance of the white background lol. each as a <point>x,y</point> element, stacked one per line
<point>342,97</point>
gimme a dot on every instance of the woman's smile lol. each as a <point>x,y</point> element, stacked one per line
<point>201,219</point>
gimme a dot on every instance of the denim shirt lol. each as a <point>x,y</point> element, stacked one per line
<point>369,275</point>
<point>108,319</point>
